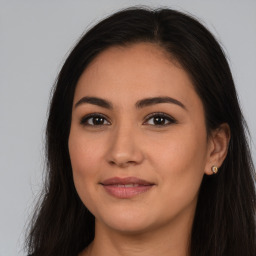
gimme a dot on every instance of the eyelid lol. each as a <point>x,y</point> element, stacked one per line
<point>161,114</point>
<point>88,116</point>
<point>170,119</point>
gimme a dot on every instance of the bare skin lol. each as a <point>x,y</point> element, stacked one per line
<point>162,141</point>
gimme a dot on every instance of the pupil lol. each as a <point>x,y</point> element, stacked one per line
<point>159,120</point>
<point>98,120</point>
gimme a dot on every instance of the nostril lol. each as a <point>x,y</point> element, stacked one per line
<point>127,155</point>
<point>122,164</point>
<point>131,162</point>
<point>112,162</point>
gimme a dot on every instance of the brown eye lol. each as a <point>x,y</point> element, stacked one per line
<point>160,119</point>
<point>94,120</point>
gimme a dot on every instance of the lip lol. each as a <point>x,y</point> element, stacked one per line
<point>126,187</point>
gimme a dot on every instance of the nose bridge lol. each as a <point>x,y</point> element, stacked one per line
<point>124,148</point>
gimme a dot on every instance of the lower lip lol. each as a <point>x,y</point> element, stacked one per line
<point>126,192</point>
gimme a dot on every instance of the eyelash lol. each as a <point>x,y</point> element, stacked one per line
<point>84,120</point>
<point>171,120</point>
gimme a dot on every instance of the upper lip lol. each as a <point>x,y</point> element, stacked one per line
<point>125,181</point>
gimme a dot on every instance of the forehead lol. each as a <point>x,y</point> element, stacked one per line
<point>124,74</point>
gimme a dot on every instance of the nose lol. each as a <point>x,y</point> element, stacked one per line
<point>125,148</point>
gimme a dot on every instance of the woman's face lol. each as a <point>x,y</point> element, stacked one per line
<point>138,142</point>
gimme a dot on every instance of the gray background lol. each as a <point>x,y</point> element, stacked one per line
<point>35,37</point>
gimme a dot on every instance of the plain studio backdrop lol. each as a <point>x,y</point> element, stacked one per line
<point>35,38</point>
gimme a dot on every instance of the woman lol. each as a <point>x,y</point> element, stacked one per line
<point>146,146</point>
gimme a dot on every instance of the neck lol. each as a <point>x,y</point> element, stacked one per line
<point>169,239</point>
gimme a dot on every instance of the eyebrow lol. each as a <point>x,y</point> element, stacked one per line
<point>95,101</point>
<point>157,100</point>
<point>139,104</point>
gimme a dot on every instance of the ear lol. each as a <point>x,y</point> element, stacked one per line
<point>217,147</point>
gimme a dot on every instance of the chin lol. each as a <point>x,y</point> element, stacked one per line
<point>127,222</point>
<point>129,228</point>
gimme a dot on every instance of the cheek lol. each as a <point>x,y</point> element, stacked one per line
<point>85,166</point>
<point>84,152</point>
<point>181,150</point>
<point>180,164</point>
<point>83,160</point>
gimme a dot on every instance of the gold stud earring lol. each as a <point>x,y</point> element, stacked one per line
<point>214,169</point>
